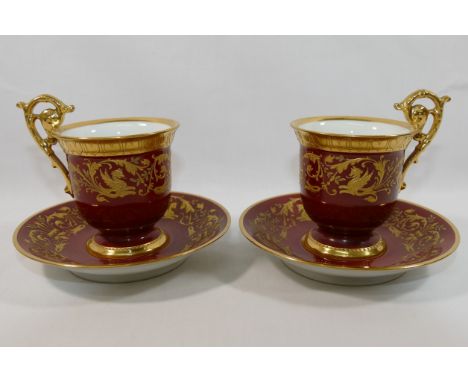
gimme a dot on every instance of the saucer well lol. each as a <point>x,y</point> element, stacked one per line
<point>57,236</point>
<point>415,235</point>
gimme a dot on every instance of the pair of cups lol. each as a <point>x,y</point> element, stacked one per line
<point>352,169</point>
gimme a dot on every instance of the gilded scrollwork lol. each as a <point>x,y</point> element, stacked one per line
<point>51,119</point>
<point>49,233</point>
<point>116,178</point>
<point>274,224</point>
<point>420,235</point>
<point>364,177</point>
<point>418,115</point>
<point>202,223</point>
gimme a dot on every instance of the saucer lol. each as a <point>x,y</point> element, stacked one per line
<point>415,235</point>
<point>57,236</point>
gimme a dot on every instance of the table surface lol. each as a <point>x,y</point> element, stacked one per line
<point>234,98</point>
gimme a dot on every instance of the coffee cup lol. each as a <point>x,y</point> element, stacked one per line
<point>119,173</point>
<point>352,169</point>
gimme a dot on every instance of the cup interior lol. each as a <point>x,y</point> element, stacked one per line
<point>115,129</point>
<point>354,127</point>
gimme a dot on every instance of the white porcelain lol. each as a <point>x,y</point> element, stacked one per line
<point>354,127</point>
<point>348,277</point>
<point>129,274</point>
<point>115,129</point>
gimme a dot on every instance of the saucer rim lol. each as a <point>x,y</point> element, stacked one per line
<point>25,253</point>
<point>283,256</point>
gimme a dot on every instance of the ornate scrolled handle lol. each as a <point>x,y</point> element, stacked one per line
<point>50,119</point>
<point>417,116</point>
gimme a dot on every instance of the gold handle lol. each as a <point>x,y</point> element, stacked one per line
<point>417,116</point>
<point>50,119</point>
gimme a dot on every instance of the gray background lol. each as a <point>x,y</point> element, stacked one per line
<point>234,98</point>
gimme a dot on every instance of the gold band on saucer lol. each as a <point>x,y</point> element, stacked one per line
<point>100,250</point>
<point>336,253</point>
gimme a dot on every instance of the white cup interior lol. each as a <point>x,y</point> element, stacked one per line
<point>115,129</point>
<point>354,127</point>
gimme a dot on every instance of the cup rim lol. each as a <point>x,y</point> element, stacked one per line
<point>297,123</point>
<point>172,126</point>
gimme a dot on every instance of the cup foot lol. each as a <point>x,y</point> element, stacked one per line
<point>330,252</point>
<point>124,252</point>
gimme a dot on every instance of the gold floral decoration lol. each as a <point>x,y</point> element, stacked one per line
<point>202,223</point>
<point>49,233</point>
<point>272,226</point>
<point>421,235</point>
<point>117,178</point>
<point>362,177</point>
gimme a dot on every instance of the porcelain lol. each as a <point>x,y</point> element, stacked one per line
<point>416,236</point>
<point>352,170</point>
<point>57,237</point>
<point>118,171</point>
<point>354,127</point>
<point>115,129</point>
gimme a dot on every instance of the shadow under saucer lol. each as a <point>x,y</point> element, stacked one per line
<point>212,267</point>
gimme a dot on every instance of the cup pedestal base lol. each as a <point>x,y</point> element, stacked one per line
<point>335,253</point>
<point>99,248</point>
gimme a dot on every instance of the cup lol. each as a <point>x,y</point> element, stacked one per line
<point>352,169</point>
<point>119,173</point>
